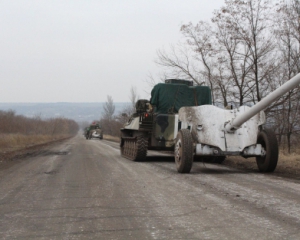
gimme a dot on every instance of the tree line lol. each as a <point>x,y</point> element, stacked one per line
<point>10,123</point>
<point>247,50</point>
<point>111,122</point>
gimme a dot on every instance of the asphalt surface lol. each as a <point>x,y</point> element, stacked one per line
<point>84,189</point>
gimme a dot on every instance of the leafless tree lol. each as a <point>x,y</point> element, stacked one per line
<point>235,58</point>
<point>200,38</point>
<point>287,32</point>
<point>128,110</point>
<point>244,32</point>
<point>238,56</point>
<point>194,60</point>
<point>133,97</point>
<point>179,63</point>
<point>108,115</point>
<point>109,108</point>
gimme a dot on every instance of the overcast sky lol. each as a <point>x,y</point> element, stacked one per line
<point>84,50</point>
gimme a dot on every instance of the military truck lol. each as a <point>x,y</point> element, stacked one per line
<point>155,124</point>
<point>94,131</point>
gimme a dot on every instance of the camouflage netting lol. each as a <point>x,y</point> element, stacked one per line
<point>169,98</point>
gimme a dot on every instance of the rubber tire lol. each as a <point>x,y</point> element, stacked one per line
<point>267,139</point>
<point>141,149</point>
<point>183,151</point>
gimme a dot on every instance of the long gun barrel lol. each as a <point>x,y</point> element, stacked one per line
<point>240,119</point>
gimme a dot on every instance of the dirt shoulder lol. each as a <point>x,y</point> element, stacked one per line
<point>287,167</point>
<point>9,158</point>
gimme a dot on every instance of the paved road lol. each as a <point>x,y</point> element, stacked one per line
<point>83,189</point>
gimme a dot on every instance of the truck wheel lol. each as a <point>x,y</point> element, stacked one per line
<point>268,141</point>
<point>184,151</point>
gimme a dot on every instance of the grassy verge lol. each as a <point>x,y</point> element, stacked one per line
<point>288,164</point>
<point>111,138</point>
<point>15,142</point>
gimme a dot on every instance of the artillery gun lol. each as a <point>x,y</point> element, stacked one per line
<point>203,130</point>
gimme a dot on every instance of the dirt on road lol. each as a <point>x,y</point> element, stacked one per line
<point>9,158</point>
<point>287,168</point>
<point>288,164</point>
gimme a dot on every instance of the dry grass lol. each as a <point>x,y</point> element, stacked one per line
<point>13,142</point>
<point>288,164</point>
<point>17,141</point>
<point>111,138</point>
<point>18,132</point>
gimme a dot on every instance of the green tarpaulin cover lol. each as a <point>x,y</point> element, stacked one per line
<point>169,98</point>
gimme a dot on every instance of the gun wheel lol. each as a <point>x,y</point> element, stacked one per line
<point>268,141</point>
<point>184,151</point>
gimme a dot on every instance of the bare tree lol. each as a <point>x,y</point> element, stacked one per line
<point>179,62</point>
<point>195,60</point>
<point>133,97</point>
<point>109,108</point>
<point>201,39</point>
<point>235,58</point>
<point>287,32</point>
<point>128,110</point>
<point>108,116</point>
<point>244,32</point>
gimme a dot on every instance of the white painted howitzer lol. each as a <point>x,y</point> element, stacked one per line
<point>209,131</point>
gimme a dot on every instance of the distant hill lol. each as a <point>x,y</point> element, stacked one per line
<point>77,111</point>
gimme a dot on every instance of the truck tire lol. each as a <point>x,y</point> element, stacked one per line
<point>183,151</point>
<point>267,139</point>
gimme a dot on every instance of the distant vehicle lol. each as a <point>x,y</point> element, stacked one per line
<point>93,131</point>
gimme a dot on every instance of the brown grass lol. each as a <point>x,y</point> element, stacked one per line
<point>288,164</point>
<point>18,132</point>
<point>111,138</point>
<point>13,142</point>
